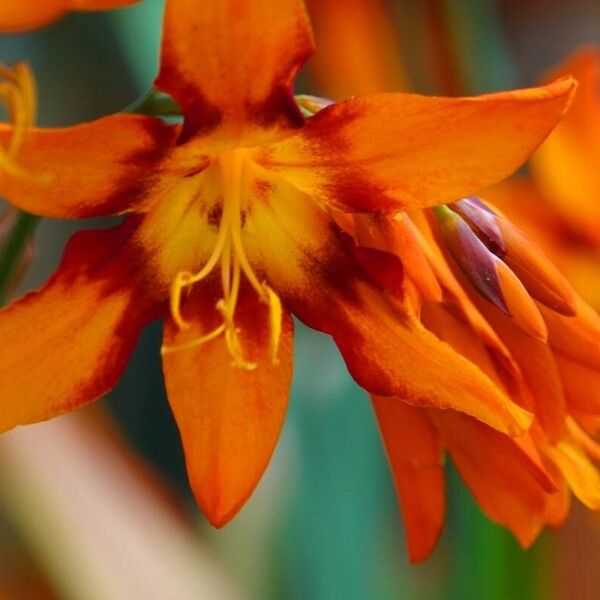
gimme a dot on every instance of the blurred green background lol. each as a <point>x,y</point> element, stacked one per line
<point>323,524</point>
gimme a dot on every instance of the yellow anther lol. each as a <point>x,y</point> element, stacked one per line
<point>275,315</point>
<point>17,94</point>
<point>235,349</point>
<point>179,284</point>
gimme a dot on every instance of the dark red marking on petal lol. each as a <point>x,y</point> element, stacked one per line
<point>262,189</point>
<point>131,192</point>
<point>355,189</point>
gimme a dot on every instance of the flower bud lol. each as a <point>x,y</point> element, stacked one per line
<point>541,278</point>
<point>489,275</point>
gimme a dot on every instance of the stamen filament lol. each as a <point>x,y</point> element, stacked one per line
<point>215,333</point>
<point>229,252</point>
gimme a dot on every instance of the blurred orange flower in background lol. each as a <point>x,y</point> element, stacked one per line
<point>24,15</point>
<point>484,287</point>
<point>559,202</point>
<point>250,211</point>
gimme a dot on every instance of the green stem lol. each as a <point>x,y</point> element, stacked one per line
<point>155,104</point>
<point>11,252</point>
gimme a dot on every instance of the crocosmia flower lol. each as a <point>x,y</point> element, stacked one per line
<point>232,223</point>
<point>506,308</point>
<point>478,282</point>
<point>24,15</point>
<point>558,203</point>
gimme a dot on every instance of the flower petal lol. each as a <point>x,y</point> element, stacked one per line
<point>415,455</point>
<point>577,337</point>
<point>400,151</point>
<point>23,15</point>
<point>581,474</point>
<point>397,235</point>
<point>97,168</point>
<point>68,343</point>
<point>229,418</point>
<point>458,303</point>
<point>538,367</point>
<point>231,64</point>
<point>386,349</point>
<point>581,384</point>
<point>515,497</point>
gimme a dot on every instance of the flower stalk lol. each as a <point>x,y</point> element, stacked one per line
<point>11,252</point>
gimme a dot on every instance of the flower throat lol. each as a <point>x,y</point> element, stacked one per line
<point>228,252</point>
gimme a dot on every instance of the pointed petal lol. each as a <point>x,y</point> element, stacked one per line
<point>535,270</point>
<point>538,367</point>
<point>514,497</point>
<point>394,152</point>
<point>68,343</point>
<point>558,504</point>
<point>415,455</point>
<point>581,474</point>
<point>229,418</point>
<point>386,349</point>
<point>94,169</point>
<point>231,64</point>
<point>24,15</point>
<point>459,304</point>
<point>522,309</point>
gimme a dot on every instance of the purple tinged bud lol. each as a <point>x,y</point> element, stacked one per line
<point>484,220</point>
<point>472,256</point>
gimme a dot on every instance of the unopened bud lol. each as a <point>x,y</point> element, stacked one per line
<point>541,278</point>
<point>488,274</point>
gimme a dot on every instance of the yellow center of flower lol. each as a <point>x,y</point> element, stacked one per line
<point>228,252</point>
<point>17,94</point>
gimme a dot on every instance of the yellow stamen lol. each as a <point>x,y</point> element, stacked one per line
<point>17,94</point>
<point>275,316</point>
<point>197,342</point>
<point>229,252</point>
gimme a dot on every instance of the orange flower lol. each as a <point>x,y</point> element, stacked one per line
<point>558,203</point>
<point>23,15</point>
<point>481,285</point>
<point>488,291</point>
<point>230,226</point>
